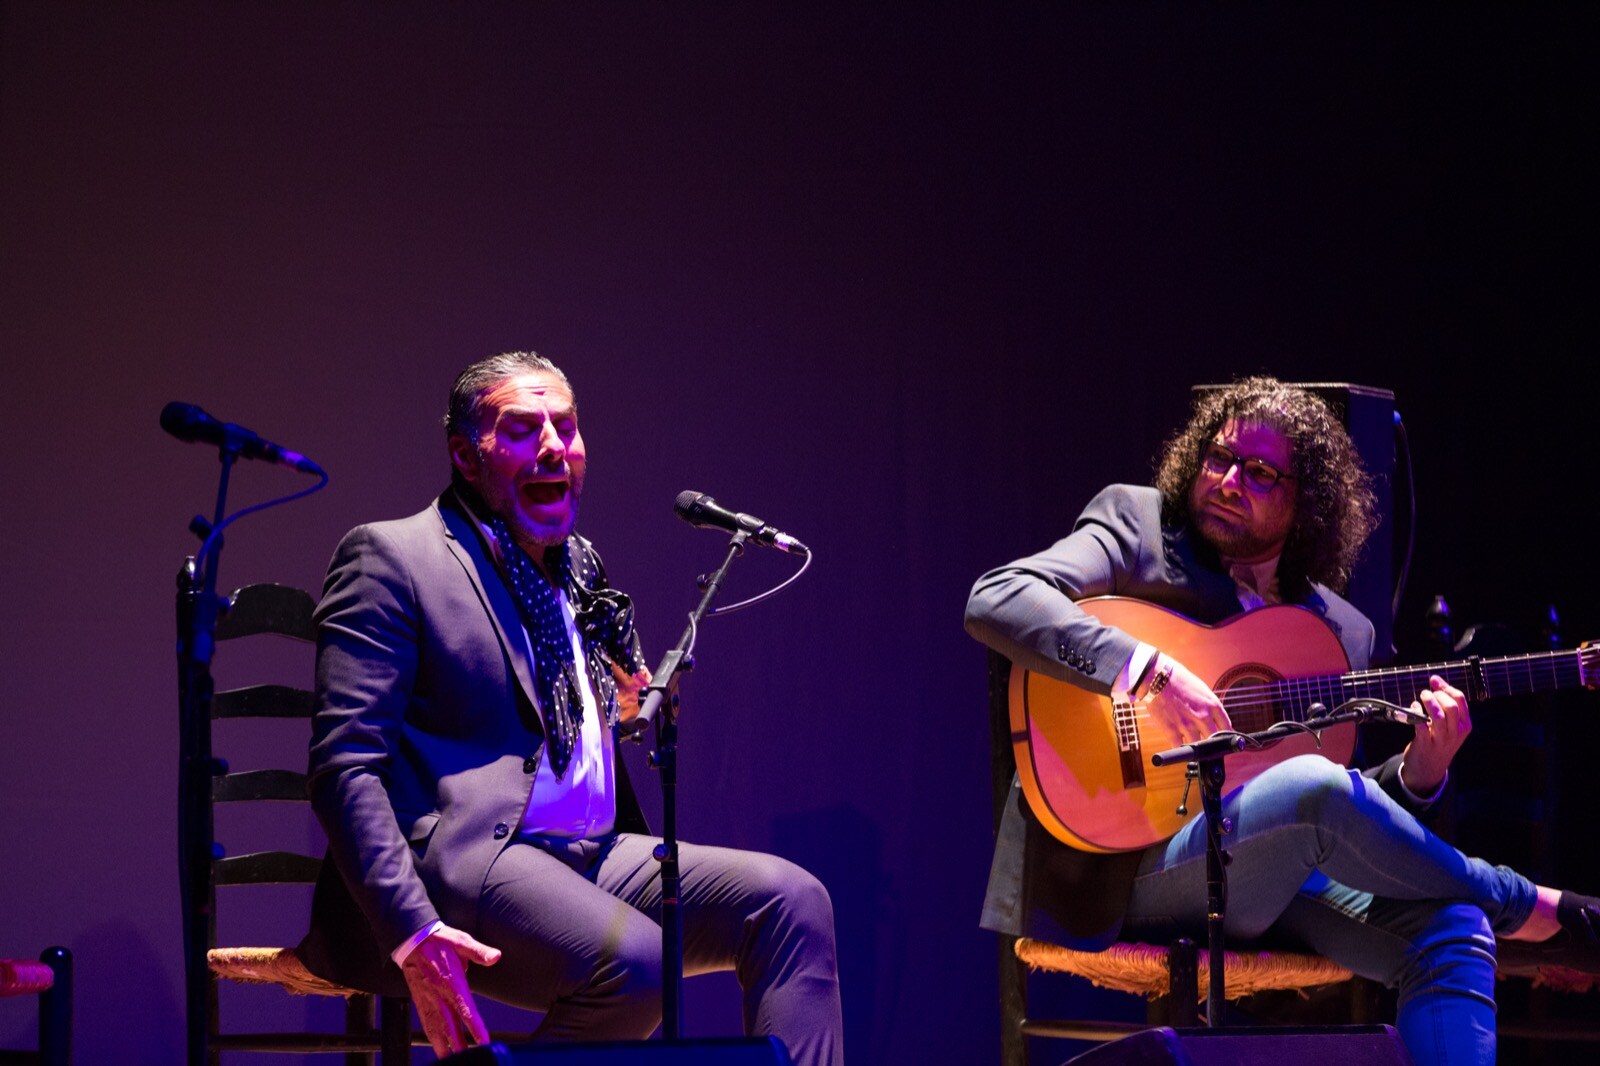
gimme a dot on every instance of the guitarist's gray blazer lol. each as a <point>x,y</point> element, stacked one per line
<point>1038,886</point>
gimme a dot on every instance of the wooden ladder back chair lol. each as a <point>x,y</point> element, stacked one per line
<point>284,611</point>
<point>1171,978</point>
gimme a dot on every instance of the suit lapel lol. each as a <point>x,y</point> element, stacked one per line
<point>467,546</point>
<point>1194,569</point>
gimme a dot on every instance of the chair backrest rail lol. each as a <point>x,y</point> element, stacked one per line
<point>287,786</point>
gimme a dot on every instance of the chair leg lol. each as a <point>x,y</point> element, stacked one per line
<point>394,1025</point>
<point>1183,983</point>
<point>1013,1004</point>
<point>55,1010</point>
<point>358,1021</point>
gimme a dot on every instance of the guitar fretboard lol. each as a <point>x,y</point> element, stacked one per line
<point>1254,706</point>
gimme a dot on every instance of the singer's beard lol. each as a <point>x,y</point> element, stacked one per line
<point>528,529</point>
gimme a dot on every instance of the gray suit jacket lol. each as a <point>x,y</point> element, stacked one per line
<point>1027,611</point>
<point>426,743</point>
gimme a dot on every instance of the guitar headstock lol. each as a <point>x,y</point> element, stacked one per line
<point>1589,664</point>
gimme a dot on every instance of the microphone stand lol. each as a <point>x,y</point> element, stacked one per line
<point>198,607</point>
<point>1205,759</point>
<point>197,610</point>
<point>663,689</point>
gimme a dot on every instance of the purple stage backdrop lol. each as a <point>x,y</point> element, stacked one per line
<point>910,284</point>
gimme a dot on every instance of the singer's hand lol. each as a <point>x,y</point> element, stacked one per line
<point>628,688</point>
<point>1428,755</point>
<point>436,974</point>
<point>1186,707</point>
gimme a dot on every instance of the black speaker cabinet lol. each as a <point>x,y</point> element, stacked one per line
<point>719,1051</point>
<point>1331,1045</point>
<point>1368,415</point>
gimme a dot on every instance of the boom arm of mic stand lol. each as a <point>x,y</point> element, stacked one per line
<point>1221,744</point>
<point>1200,750</point>
<point>664,682</point>
<point>663,687</point>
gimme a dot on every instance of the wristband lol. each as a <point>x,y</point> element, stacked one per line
<point>1159,682</point>
<point>1149,665</point>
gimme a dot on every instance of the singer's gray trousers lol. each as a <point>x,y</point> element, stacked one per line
<point>578,922</point>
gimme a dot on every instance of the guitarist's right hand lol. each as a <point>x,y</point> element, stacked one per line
<point>1185,707</point>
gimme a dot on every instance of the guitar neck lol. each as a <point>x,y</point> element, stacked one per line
<point>1511,675</point>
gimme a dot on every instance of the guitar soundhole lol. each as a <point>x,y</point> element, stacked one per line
<point>1250,693</point>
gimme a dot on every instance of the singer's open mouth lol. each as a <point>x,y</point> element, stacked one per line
<point>544,493</point>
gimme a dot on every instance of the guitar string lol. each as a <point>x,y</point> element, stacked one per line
<point>1554,667</point>
<point>1562,668</point>
<point>1288,690</point>
<point>1293,697</point>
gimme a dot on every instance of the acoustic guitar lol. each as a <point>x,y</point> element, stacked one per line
<point>1084,759</point>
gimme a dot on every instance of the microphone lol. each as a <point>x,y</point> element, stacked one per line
<point>702,511</point>
<point>189,423</point>
<point>1318,717</point>
<point>1393,712</point>
<point>1365,710</point>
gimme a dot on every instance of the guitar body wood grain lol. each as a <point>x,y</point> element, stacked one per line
<point>1078,781</point>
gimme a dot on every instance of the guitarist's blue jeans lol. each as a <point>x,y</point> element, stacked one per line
<point>1325,860</point>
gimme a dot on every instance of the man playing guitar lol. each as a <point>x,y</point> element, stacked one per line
<point>1259,500</point>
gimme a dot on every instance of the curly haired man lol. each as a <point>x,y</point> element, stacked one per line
<point>1260,499</point>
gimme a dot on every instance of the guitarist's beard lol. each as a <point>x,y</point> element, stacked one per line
<point>1245,527</point>
<point>1232,539</point>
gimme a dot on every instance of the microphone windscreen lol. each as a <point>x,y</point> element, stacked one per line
<point>182,419</point>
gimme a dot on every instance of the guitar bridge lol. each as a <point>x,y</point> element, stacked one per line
<point>1129,752</point>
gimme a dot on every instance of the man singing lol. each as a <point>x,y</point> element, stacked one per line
<point>473,665</point>
<point>1261,499</point>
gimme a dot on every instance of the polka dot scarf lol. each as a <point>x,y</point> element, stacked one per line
<point>559,702</point>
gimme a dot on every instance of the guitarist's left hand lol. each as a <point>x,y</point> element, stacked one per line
<point>1428,755</point>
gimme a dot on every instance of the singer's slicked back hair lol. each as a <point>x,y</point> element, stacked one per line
<point>466,395</point>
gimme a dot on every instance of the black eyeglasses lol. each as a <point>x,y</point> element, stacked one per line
<point>1258,475</point>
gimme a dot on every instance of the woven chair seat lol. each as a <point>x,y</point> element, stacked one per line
<point>272,966</point>
<point>24,977</point>
<point>1142,968</point>
<point>1556,978</point>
